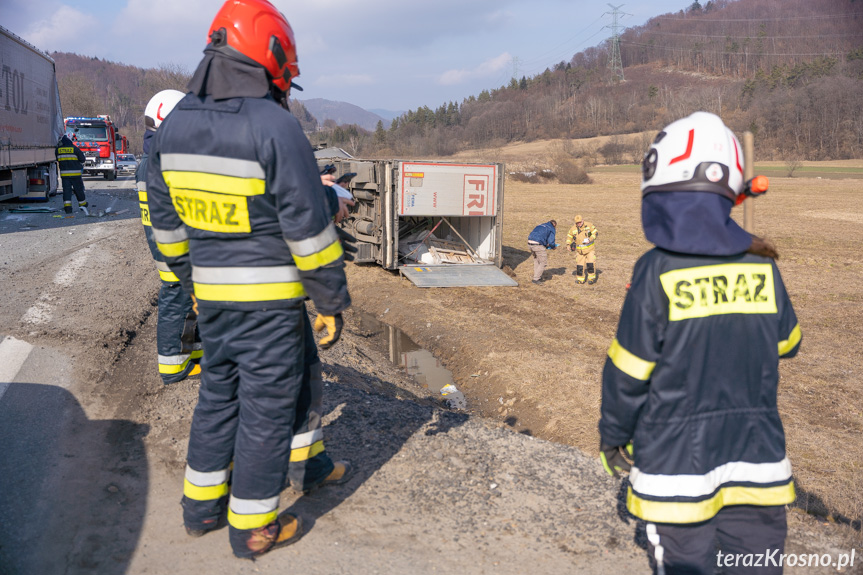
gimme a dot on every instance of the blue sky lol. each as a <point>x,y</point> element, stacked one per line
<point>389,54</point>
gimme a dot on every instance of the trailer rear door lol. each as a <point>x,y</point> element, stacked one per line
<point>456,275</point>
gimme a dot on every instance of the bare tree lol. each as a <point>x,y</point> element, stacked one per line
<point>791,166</point>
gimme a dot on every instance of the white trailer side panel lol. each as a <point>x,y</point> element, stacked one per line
<point>30,117</point>
<point>439,189</point>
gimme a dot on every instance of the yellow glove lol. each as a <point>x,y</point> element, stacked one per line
<point>333,324</point>
<point>194,304</point>
<point>612,458</point>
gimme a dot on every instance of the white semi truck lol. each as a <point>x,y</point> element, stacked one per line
<point>438,223</point>
<point>31,121</point>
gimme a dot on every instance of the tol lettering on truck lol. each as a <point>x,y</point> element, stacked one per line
<point>30,120</point>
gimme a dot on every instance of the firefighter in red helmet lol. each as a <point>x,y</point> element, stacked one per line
<point>238,210</point>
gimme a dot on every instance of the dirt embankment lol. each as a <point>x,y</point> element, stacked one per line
<point>532,356</point>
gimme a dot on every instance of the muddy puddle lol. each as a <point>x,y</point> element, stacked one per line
<point>419,363</point>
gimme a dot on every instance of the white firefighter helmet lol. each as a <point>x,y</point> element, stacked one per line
<point>695,154</point>
<point>160,106</point>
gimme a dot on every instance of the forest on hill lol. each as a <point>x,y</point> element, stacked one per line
<point>90,86</point>
<point>791,71</point>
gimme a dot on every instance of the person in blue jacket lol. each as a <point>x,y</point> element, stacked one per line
<point>540,240</point>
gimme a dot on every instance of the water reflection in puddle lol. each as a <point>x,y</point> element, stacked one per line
<point>417,362</point>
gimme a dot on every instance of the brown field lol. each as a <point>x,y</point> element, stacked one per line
<point>532,356</point>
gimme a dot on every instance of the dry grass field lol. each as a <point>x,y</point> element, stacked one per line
<point>532,356</point>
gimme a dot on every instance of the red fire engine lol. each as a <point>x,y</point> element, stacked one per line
<point>97,138</point>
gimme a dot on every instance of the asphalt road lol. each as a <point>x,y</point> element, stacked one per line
<point>116,200</point>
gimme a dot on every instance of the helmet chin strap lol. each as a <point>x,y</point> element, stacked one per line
<point>280,96</point>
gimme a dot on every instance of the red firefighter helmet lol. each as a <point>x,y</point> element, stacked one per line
<point>254,30</point>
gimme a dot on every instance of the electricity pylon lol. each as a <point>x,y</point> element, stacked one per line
<point>615,63</point>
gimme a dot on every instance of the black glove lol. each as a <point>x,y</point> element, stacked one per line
<point>613,459</point>
<point>349,242</point>
<point>333,324</point>
<point>572,247</point>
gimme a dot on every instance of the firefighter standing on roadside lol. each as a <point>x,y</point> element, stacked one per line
<point>692,375</point>
<point>581,239</point>
<point>237,209</point>
<point>71,161</point>
<point>177,342</point>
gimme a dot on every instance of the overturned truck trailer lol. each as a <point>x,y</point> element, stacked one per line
<point>437,223</point>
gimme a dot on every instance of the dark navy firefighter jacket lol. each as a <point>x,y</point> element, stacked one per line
<point>544,234</point>
<point>691,380</point>
<point>237,208</point>
<point>69,157</point>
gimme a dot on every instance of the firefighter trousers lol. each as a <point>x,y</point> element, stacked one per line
<point>259,409</point>
<point>587,260</point>
<point>73,184</point>
<point>177,341</point>
<point>751,539</point>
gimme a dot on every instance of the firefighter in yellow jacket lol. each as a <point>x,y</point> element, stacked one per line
<point>582,240</point>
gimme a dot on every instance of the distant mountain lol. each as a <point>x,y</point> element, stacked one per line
<point>388,115</point>
<point>343,113</point>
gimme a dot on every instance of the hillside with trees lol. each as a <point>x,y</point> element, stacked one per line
<point>90,86</point>
<point>789,70</point>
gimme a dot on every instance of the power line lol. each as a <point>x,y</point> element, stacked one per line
<point>852,35</point>
<point>766,19</point>
<point>676,49</point>
<point>564,43</point>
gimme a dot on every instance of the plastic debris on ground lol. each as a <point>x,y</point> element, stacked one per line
<point>453,397</point>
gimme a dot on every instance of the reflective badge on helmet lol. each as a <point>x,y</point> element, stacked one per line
<point>714,172</point>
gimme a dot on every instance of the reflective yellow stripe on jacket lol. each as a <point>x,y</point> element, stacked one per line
<point>629,363</point>
<point>317,251</point>
<point>172,243</point>
<point>165,273</point>
<point>657,498</point>
<point>247,284</point>
<point>142,203</point>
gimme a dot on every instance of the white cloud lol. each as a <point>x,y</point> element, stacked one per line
<point>487,69</point>
<point>64,27</point>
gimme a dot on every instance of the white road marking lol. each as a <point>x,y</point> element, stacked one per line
<point>13,354</point>
<point>40,312</point>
